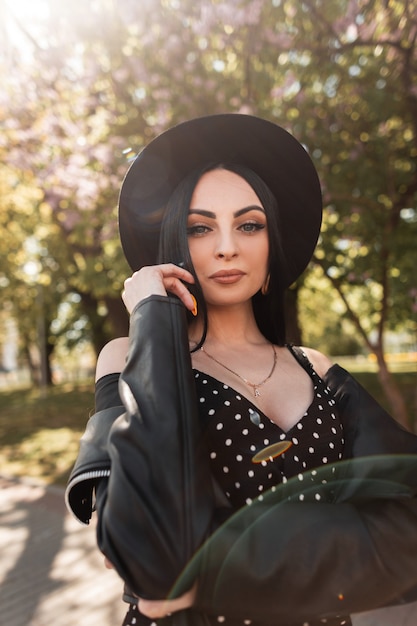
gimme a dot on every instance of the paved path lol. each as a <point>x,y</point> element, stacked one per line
<point>51,572</point>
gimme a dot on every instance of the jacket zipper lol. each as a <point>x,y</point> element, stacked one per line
<point>93,474</point>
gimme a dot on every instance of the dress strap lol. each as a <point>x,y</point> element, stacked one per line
<point>302,358</point>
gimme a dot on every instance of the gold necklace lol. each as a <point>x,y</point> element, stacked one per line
<point>255,386</point>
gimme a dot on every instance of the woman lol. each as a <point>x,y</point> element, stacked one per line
<point>219,477</point>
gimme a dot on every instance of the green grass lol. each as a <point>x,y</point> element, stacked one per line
<point>40,433</point>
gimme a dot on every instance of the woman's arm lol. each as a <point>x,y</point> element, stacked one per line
<point>295,561</point>
<point>157,507</point>
<point>93,461</point>
<point>92,466</point>
<point>112,357</point>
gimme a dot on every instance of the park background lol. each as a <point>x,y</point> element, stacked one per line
<point>85,85</point>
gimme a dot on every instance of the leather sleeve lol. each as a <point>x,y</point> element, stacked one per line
<point>298,561</point>
<point>92,466</point>
<point>157,507</point>
<point>368,428</point>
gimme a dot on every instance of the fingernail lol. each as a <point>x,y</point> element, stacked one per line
<point>194,310</point>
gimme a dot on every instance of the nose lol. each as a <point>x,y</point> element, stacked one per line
<point>226,247</point>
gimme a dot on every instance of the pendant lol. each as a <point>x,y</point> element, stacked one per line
<point>257,393</point>
<point>254,417</point>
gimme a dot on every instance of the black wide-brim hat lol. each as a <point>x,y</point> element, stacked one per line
<point>266,148</point>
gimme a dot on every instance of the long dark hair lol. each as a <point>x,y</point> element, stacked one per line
<point>173,248</point>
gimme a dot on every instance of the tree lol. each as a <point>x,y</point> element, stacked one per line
<point>99,82</point>
<point>368,164</point>
<point>69,205</point>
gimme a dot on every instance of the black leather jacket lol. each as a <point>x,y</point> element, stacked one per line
<point>279,560</point>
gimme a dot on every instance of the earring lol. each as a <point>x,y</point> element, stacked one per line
<point>265,286</point>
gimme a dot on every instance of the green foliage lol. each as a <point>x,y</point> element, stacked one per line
<point>321,318</point>
<point>86,86</point>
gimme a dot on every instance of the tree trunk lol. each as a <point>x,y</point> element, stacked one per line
<point>33,370</point>
<point>390,388</point>
<point>115,324</point>
<point>50,347</point>
<point>118,316</point>
<point>99,333</point>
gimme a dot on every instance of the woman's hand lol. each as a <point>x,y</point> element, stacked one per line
<point>158,280</point>
<point>155,609</point>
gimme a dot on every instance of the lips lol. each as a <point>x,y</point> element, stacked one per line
<point>227,277</point>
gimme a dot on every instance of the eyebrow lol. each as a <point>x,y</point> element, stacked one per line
<point>238,213</point>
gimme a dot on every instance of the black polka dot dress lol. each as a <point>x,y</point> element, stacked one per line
<point>235,430</point>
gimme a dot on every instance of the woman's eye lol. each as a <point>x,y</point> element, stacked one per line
<point>197,230</point>
<point>250,227</point>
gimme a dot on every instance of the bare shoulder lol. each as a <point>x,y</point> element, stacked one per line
<point>320,361</point>
<point>112,357</point>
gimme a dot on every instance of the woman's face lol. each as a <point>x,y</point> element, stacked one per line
<point>227,238</point>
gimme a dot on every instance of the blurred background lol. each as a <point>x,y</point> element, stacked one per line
<point>85,85</point>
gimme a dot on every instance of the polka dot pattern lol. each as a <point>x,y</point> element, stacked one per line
<point>134,618</point>
<point>235,430</point>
